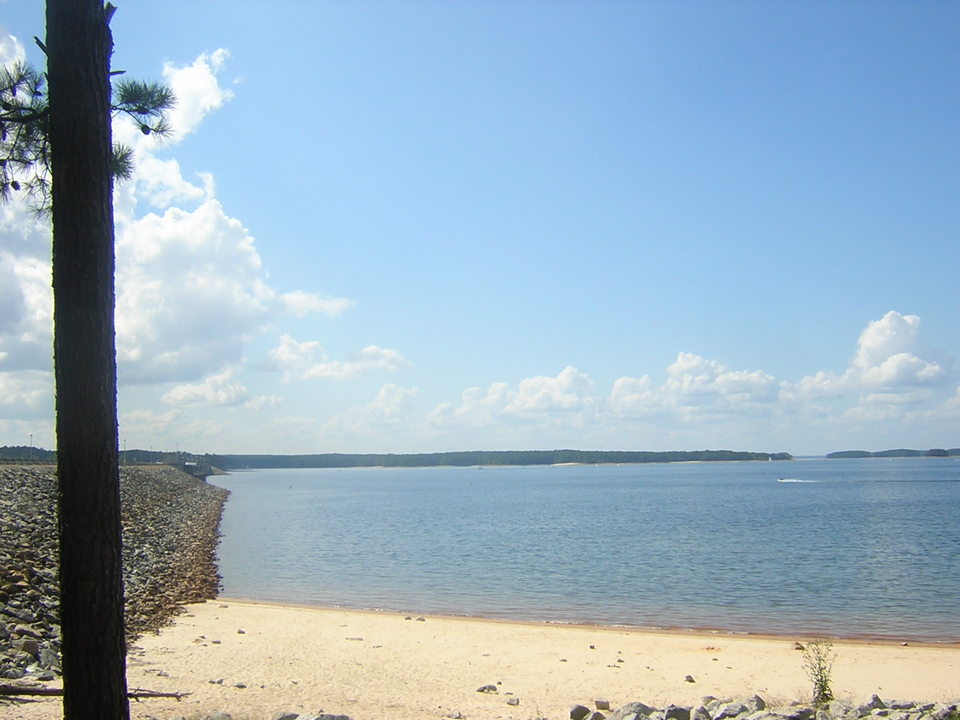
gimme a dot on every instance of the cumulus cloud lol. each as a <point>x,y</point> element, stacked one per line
<point>634,397</point>
<point>192,292</point>
<point>886,364</point>
<point>887,379</point>
<point>11,49</point>
<point>567,397</point>
<point>25,395</point>
<point>217,389</point>
<point>693,380</point>
<point>388,411</point>
<point>26,313</point>
<point>198,90</point>
<point>300,303</point>
<point>307,360</point>
<point>569,391</point>
<point>161,183</point>
<point>886,355</point>
<point>191,288</point>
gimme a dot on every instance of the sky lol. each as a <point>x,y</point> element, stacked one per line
<point>429,225</point>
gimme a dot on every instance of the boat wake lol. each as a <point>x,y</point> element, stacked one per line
<point>795,480</point>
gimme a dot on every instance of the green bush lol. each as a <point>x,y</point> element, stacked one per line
<point>818,659</point>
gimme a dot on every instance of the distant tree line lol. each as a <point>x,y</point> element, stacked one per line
<point>900,452</point>
<point>479,457</point>
<point>26,454</point>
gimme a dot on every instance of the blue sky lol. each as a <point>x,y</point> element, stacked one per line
<point>433,226</point>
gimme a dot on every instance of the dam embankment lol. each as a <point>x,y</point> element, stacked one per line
<point>170,532</point>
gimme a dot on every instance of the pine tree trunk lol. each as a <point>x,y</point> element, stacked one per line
<point>91,604</point>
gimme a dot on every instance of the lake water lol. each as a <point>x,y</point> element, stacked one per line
<point>834,547</point>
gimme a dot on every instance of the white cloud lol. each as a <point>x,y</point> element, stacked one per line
<point>11,49</point>
<point>307,360</point>
<point>26,313</point>
<point>262,402</point>
<point>566,398</point>
<point>693,380</point>
<point>25,395</point>
<point>634,397</point>
<point>151,417</point>
<point>197,90</point>
<point>190,293</point>
<point>300,303</point>
<point>570,390</point>
<point>893,334</point>
<point>703,400</point>
<point>389,411</point>
<point>216,390</point>
<point>886,362</point>
<point>161,182</point>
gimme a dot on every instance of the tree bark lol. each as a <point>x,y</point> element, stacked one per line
<point>91,603</point>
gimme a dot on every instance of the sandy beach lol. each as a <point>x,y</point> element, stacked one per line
<point>253,659</point>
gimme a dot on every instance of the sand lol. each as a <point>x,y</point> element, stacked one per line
<point>253,659</point>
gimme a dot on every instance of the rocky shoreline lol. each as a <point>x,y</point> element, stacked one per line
<point>709,708</point>
<point>170,528</point>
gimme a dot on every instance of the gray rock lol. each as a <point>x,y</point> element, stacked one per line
<point>730,710</point>
<point>28,645</point>
<point>487,689</point>
<point>838,708</point>
<point>170,535</point>
<point>676,712</point>
<point>282,715</point>
<point>637,709</point>
<point>699,713</point>
<point>875,703</point>
<point>25,631</point>
<point>713,706</point>
<point>49,659</point>
<point>217,715</point>
<point>764,715</point>
<point>799,713</point>
<point>943,712</point>
<point>756,703</point>
<point>601,704</point>
<point>579,712</point>
<point>513,701</point>
<point>330,716</point>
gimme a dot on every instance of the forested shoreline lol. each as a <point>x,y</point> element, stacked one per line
<point>25,454</point>
<point>897,453</point>
<point>481,457</point>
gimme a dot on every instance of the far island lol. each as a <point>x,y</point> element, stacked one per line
<point>898,453</point>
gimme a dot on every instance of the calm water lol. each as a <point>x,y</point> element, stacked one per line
<point>845,547</point>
